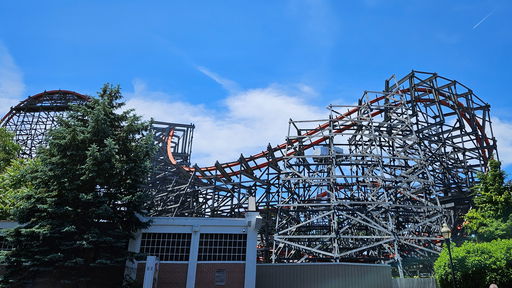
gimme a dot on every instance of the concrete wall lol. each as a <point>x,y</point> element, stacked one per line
<point>414,283</point>
<point>323,275</point>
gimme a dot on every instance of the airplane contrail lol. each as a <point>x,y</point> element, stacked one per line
<point>483,19</point>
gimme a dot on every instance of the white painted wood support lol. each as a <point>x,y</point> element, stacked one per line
<point>192,262</point>
<point>253,225</point>
<point>151,273</point>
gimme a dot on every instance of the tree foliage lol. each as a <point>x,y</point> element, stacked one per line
<point>8,149</point>
<point>477,265</point>
<point>13,173</point>
<point>14,183</point>
<point>86,197</point>
<point>487,256</point>
<point>491,216</point>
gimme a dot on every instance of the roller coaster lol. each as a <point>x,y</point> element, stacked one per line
<point>31,119</point>
<point>372,182</point>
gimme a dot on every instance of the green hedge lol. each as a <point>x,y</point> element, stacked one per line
<point>477,264</point>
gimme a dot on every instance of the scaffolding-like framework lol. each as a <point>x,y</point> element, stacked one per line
<point>372,182</point>
<point>167,181</point>
<point>384,175</point>
<point>33,117</point>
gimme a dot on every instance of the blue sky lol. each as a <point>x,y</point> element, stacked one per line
<point>213,62</point>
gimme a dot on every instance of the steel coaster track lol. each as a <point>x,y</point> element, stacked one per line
<point>238,166</point>
<point>452,141</point>
<point>410,155</point>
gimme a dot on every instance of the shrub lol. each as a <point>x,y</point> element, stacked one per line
<point>477,265</point>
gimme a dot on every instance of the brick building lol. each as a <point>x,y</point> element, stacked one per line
<point>197,252</point>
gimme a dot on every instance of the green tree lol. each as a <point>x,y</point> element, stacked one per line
<point>12,174</point>
<point>8,149</point>
<point>491,216</point>
<point>489,222</point>
<point>14,183</point>
<point>87,196</point>
<point>477,265</point>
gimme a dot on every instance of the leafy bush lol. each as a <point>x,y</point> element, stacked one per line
<point>14,183</point>
<point>8,149</point>
<point>477,265</point>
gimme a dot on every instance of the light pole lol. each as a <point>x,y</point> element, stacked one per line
<point>447,234</point>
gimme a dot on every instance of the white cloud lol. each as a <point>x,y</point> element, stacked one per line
<point>252,119</point>
<point>502,132</point>
<point>227,84</point>
<point>11,81</point>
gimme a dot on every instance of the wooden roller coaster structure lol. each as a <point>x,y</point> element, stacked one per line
<point>372,182</point>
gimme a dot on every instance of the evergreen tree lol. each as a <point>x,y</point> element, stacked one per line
<point>86,198</point>
<point>491,216</point>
